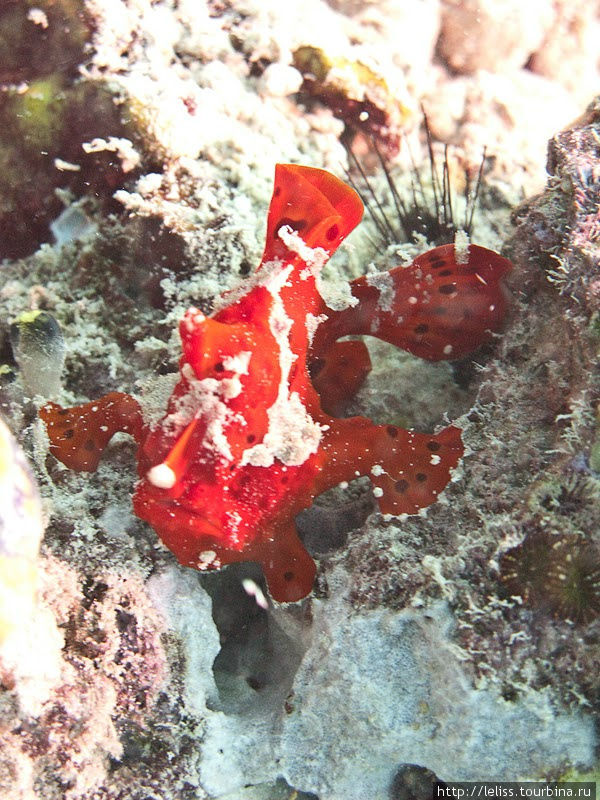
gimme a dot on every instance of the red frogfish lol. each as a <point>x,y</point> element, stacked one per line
<point>249,436</point>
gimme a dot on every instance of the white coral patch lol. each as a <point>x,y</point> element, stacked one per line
<point>130,158</point>
<point>268,272</point>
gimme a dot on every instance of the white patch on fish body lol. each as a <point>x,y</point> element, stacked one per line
<point>292,436</point>
<point>384,283</point>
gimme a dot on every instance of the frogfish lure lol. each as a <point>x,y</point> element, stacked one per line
<point>250,436</point>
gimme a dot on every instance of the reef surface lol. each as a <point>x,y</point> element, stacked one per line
<point>138,146</point>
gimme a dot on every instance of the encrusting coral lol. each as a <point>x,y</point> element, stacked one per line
<point>245,444</point>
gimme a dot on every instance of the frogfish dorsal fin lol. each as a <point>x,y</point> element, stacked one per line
<point>318,206</point>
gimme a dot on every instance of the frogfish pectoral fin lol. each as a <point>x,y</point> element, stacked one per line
<point>438,308</point>
<point>79,435</point>
<point>415,469</point>
<point>408,470</point>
